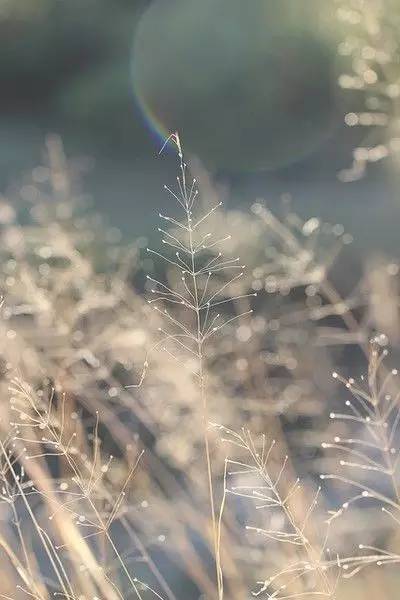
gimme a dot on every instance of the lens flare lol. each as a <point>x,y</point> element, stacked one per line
<point>251,87</point>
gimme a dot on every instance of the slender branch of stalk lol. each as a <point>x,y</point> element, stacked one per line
<point>382,433</point>
<point>333,296</point>
<point>312,552</point>
<point>24,573</point>
<point>202,384</point>
<point>103,526</point>
<point>61,576</point>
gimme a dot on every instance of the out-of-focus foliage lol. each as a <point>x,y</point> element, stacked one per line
<point>49,48</point>
<point>370,53</point>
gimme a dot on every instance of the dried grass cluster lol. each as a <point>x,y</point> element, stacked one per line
<point>169,444</point>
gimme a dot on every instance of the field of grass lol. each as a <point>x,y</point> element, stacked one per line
<point>210,411</point>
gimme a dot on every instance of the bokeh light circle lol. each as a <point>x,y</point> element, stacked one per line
<point>250,85</point>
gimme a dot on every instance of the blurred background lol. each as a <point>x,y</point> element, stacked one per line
<point>253,89</point>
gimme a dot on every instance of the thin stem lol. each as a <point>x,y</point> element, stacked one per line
<point>202,381</point>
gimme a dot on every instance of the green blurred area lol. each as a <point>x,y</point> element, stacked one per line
<point>260,73</point>
<point>250,85</point>
<point>66,65</point>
